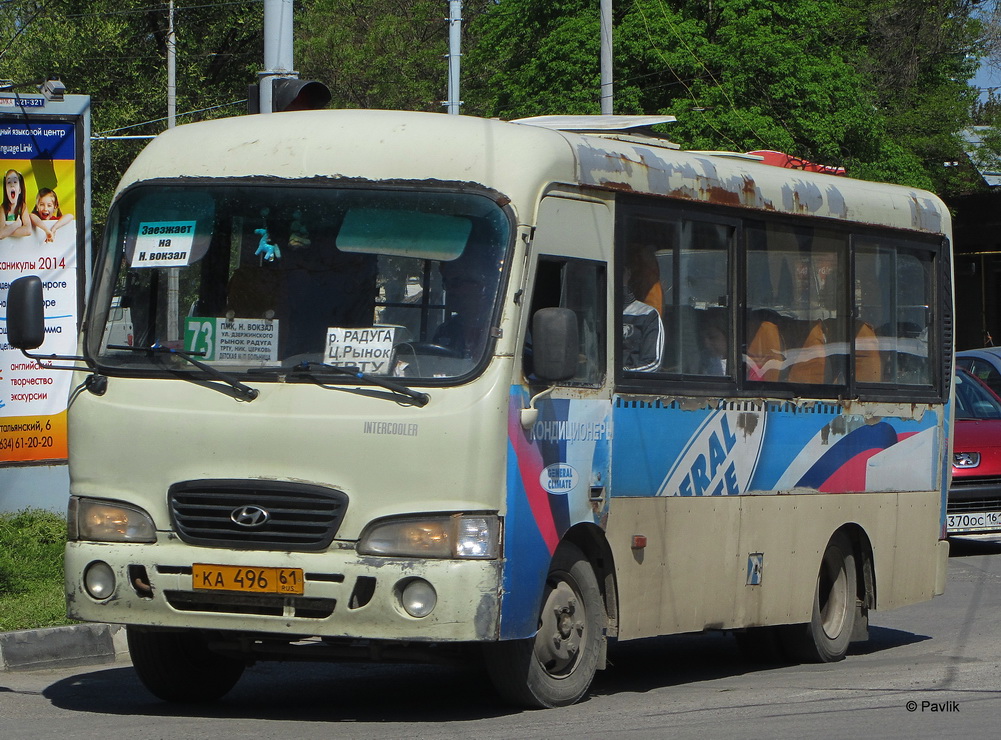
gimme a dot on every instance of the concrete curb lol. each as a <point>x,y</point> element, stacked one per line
<point>60,647</point>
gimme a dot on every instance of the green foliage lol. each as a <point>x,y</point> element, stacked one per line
<point>534,58</point>
<point>385,54</point>
<point>388,54</point>
<point>31,570</point>
<point>116,50</point>
<point>879,86</point>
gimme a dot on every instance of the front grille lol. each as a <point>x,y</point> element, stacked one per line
<point>977,504</point>
<point>274,515</point>
<point>969,481</point>
<point>272,606</point>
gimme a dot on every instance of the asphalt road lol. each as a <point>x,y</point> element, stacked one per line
<point>929,670</point>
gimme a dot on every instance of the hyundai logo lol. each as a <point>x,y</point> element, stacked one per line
<point>249,516</point>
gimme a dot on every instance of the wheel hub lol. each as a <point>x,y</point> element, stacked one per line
<point>561,630</point>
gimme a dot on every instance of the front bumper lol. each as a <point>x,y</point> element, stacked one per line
<point>974,505</point>
<point>345,594</point>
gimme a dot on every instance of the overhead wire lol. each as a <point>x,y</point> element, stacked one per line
<point>130,11</point>
<point>27,23</point>
<point>164,118</point>
<point>164,8</point>
<point>688,89</point>
<point>110,13</point>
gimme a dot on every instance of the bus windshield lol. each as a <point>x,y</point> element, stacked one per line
<point>400,283</point>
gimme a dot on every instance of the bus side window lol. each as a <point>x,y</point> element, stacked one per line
<point>894,292</point>
<point>579,285</point>
<point>679,267</point>
<point>796,278</point>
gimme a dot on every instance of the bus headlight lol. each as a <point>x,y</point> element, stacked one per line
<point>108,521</point>
<point>460,536</point>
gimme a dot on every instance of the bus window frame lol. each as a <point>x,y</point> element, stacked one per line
<point>112,248</point>
<point>736,385</point>
<point>562,263</point>
<point>658,209</point>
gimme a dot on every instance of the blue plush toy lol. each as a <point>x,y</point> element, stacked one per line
<point>265,247</point>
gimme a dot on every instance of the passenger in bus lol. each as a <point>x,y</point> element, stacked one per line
<point>868,364</point>
<point>642,332</point>
<point>810,365</point>
<point>713,348</point>
<point>645,276</point>
<point>765,350</point>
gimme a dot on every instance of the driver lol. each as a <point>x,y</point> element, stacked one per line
<point>466,282</point>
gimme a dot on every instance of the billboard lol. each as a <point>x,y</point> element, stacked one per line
<point>44,231</point>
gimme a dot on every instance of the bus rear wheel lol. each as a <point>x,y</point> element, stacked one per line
<point>177,666</point>
<point>825,638</point>
<point>556,667</point>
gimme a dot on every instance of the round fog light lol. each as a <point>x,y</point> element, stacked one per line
<point>418,598</point>
<point>99,580</point>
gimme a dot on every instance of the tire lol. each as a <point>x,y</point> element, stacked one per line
<point>826,637</point>
<point>555,668</point>
<point>178,667</point>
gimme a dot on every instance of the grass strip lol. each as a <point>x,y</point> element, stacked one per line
<point>31,570</point>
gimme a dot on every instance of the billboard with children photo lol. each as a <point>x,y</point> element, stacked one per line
<point>39,235</point>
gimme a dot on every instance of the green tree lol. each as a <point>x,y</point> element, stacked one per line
<point>116,53</point>
<point>880,86</point>
<point>379,53</point>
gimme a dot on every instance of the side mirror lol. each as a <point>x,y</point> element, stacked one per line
<point>25,313</point>
<point>555,343</point>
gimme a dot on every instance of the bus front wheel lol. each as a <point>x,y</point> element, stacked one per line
<point>825,638</point>
<point>177,666</point>
<point>556,667</point>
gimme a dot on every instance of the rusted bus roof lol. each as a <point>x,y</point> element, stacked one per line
<point>514,159</point>
<point>733,181</point>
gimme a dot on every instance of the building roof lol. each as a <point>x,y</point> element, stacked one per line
<point>987,167</point>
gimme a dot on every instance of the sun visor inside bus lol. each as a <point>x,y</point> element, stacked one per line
<point>403,233</point>
<point>169,228</point>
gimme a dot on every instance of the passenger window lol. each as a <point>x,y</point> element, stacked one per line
<point>579,285</point>
<point>796,318</point>
<point>676,316</point>
<point>894,291</point>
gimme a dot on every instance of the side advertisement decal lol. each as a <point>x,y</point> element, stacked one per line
<point>740,447</point>
<point>552,470</point>
<point>720,457</point>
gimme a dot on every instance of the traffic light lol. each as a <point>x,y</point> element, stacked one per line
<point>289,93</point>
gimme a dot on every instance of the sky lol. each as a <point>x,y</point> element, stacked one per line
<point>986,78</point>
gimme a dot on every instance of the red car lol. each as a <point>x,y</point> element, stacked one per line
<point>975,495</point>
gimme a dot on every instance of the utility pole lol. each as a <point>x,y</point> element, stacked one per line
<point>277,49</point>
<point>171,70</point>
<point>454,54</point>
<point>278,86</point>
<point>606,57</point>
<point>173,273</point>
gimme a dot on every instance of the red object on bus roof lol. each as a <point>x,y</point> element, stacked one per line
<point>781,159</point>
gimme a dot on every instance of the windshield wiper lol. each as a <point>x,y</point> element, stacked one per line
<point>306,368</point>
<point>244,391</point>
